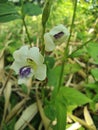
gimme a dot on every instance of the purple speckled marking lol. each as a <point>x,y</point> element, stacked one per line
<point>24,71</point>
<point>58,35</point>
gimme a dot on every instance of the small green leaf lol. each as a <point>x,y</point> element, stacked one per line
<point>31,9</point>
<point>71,68</point>
<point>78,53</point>
<point>92,49</point>
<point>95,73</point>
<point>24,88</point>
<point>92,87</point>
<point>49,61</point>
<point>46,12</point>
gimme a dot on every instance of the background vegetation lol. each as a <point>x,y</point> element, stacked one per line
<point>77,98</point>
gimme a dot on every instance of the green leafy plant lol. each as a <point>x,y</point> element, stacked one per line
<point>56,73</point>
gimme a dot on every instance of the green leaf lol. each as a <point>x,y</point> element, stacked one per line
<point>6,8</point>
<point>61,111</point>
<point>78,53</point>
<point>8,12</point>
<point>50,110</point>
<point>49,61</point>
<point>31,9</point>
<point>95,73</point>
<point>53,76</point>
<point>92,86</point>
<point>10,17</point>
<point>3,1</point>
<point>71,68</point>
<point>92,49</point>
<point>56,110</point>
<point>73,96</point>
<point>24,88</point>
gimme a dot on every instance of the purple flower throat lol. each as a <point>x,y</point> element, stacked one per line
<point>58,35</point>
<point>24,71</point>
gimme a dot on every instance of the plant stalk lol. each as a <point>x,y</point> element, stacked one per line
<point>24,23</point>
<point>67,45</point>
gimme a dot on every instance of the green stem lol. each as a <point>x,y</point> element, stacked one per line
<point>42,41</point>
<point>67,45</point>
<point>80,47</point>
<point>24,23</point>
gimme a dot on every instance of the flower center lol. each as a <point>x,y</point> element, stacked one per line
<point>24,71</point>
<point>31,63</point>
<point>58,35</point>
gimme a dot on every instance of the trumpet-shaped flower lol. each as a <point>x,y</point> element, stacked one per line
<point>28,62</point>
<point>56,35</point>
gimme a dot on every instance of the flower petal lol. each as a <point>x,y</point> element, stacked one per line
<point>49,44</point>
<point>16,66</point>
<point>40,73</point>
<point>21,54</point>
<point>28,62</point>
<point>23,80</point>
<point>35,55</point>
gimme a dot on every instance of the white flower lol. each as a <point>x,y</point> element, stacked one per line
<point>56,35</point>
<point>28,62</point>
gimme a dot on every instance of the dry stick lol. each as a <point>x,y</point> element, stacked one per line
<point>82,122</point>
<point>10,73</point>
<point>45,120</point>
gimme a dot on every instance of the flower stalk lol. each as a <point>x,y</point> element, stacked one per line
<point>67,45</point>
<point>24,24</point>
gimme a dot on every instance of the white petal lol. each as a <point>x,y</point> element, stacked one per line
<point>40,73</point>
<point>16,66</point>
<point>21,54</point>
<point>35,55</point>
<point>25,79</point>
<point>49,44</point>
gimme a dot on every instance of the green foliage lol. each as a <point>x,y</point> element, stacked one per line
<point>57,102</point>
<point>61,111</point>
<point>46,12</point>
<point>50,110</point>
<point>3,1</point>
<point>31,9</point>
<point>53,76</point>
<point>50,61</point>
<point>92,49</point>
<point>70,96</point>
<point>72,68</point>
<point>95,73</point>
<point>92,92</point>
<point>61,103</point>
<point>8,12</point>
